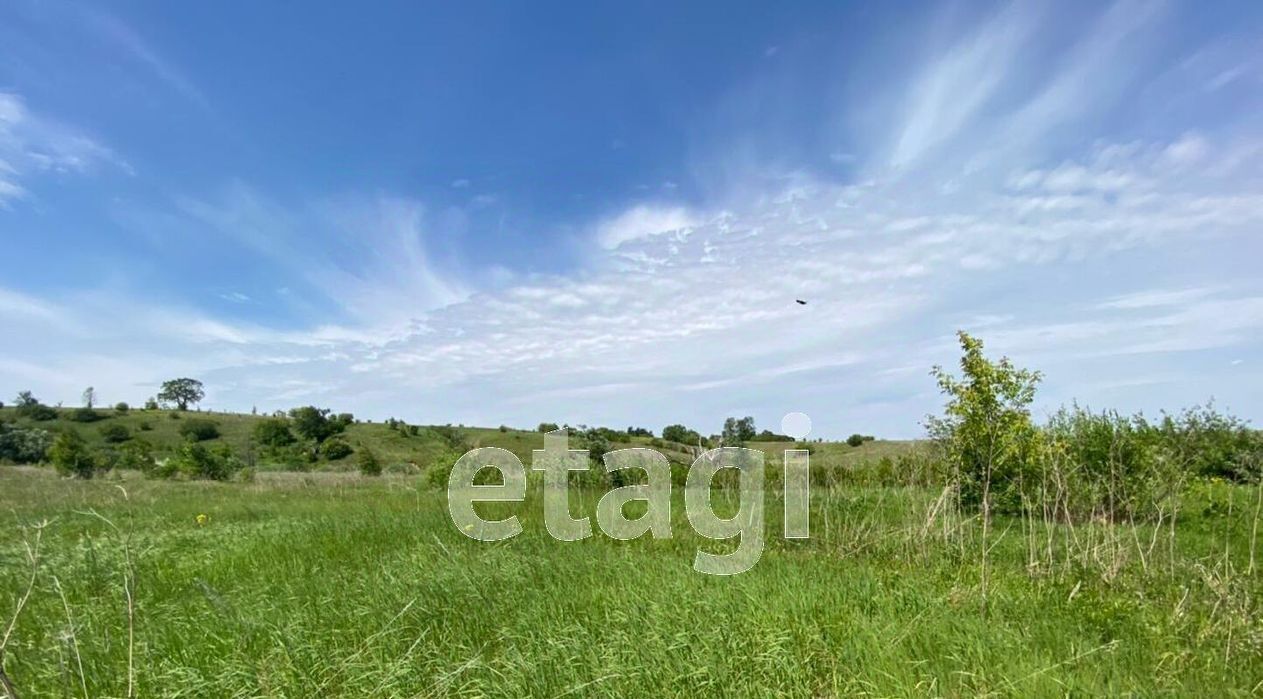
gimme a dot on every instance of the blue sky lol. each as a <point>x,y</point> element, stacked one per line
<point>601,213</point>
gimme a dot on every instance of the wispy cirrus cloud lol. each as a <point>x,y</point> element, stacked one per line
<point>33,145</point>
<point>993,201</point>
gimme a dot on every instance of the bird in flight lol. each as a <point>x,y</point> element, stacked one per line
<point>801,302</point>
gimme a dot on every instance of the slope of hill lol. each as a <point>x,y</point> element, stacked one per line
<point>161,428</point>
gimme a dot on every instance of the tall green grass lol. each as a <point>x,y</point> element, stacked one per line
<point>335,585</point>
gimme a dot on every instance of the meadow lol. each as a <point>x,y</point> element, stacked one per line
<point>1096,554</point>
<point>335,584</point>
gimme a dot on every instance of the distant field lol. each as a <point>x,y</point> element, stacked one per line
<point>331,584</point>
<point>161,429</point>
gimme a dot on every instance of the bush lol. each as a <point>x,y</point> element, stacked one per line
<point>855,440</point>
<point>1101,465</point>
<point>1212,444</point>
<point>144,426</point>
<point>199,430</point>
<point>273,432</point>
<point>121,407</point>
<point>151,404</point>
<point>114,433</point>
<point>196,460</point>
<point>136,455</point>
<point>23,445</point>
<point>335,449</point>
<point>315,424</point>
<point>985,433</point>
<point>681,434</point>
<point>28,406</point>
<point>71,457</point>
<point>368,463</point>
<point>546,427</point>
<point>85,414</point>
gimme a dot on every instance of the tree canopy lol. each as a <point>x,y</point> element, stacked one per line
<point>182,392</point>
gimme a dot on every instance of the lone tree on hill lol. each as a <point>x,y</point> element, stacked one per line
<point>182,392</point>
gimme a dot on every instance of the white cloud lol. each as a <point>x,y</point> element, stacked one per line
<point>32,145</point>
<point>643,221</point>
<point>1124,269</point>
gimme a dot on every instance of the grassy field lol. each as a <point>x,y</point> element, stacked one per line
<point>161,429</point>
<point>330,584</point>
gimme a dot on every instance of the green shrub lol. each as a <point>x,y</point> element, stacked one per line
<point>1101,465</point>
<point>335,449</point>
<point>23,445</point>
<point>1208,443</point>
<point>85,414</point>
<point>985,433</point>
<point>681,434</point>
<point>28,406</point>
<point>144,426</point>
<point>546,427</point>
<point>855,440</point>
<point>315,423</point>
<point>440,469</point>
<point>121,407</point>
<point>368,463</point>
<point>198,429</point>
<point>136,455</point>
<point>196,460</point>
<point>273,432</point>
<point>71,456</point>
<point>114,433</point>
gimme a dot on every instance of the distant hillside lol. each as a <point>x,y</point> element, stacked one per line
<point>395,446</point>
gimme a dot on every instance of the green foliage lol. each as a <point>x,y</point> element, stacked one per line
<point>315,423</point>
<point>985,432</point>
<point>681,434</point>
<point>596,441</point>
<point>85,414</point>
<point>144,426</point>
<point>855,440</point>
<point>872,569</point>
<point>199,429</point>
<point>335,449</point>
<point>1209,443</point>
<point>1096,465</point>
<point>273,432</point>
<point>23,446</point>
<point>136,455</point>
<point>121,407</point>
<point>453,437</point>
<point>114,433</point>
<point>151,404</point>
<point>368,463</point>
<point>182,392</point>
<point>738,431</point>
<point>197,461</point>
<point>28,406</point>
<point>71,456</point>
<point>546,427</point>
